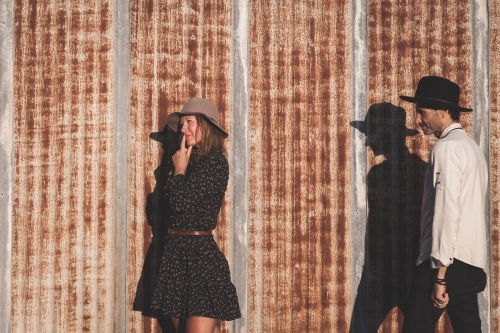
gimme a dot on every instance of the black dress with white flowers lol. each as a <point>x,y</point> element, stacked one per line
<point>194,278</point>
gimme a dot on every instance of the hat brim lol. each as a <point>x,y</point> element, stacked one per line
<point>158,136</point>
<point>173,121</point>
<point>360,125</point>
<point>434,103</point>
<point>164,136</point>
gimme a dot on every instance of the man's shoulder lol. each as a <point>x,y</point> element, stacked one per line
<point>458,146</point>
<point>456,138</point>
<point>449,146</point>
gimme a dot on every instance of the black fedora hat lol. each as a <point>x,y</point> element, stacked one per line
<point>436,92</point>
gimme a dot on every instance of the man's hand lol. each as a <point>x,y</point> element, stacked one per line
<point>439,296</point>
<point>181,158</point>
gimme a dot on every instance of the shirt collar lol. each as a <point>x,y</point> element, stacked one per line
<point>449,129</point>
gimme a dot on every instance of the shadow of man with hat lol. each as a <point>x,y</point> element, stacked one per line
<point>395,188</point>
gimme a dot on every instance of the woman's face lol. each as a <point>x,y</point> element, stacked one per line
<point>190,129</point>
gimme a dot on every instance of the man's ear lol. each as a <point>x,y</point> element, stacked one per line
<point>444,114</point>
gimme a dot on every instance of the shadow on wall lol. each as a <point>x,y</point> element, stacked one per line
<point>395,189</point>
<point>155,213</point>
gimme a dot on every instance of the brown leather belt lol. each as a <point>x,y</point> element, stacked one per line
<point>190,232</point>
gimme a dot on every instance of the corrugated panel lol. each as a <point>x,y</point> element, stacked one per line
<point>63,235</point>
<point>299,241</point>
<point>494,19</point>
<point>407,40</point>
<point>179,49</point>
<point>6,158</point>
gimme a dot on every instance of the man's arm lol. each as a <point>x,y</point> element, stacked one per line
<point>448,187</point>
<point>439,295</point>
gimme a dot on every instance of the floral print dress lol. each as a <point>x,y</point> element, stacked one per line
<point>194,278</point>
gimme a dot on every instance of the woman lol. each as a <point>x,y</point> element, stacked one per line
<point>193,285</point>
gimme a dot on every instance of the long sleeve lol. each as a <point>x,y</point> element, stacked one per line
<point>447,179</point>
<point>195,199</point>
<point>453,223</point>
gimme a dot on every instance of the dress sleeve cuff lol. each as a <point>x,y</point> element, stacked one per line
<point>177,177</point>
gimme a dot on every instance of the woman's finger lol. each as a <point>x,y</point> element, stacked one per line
<point>183,142</point>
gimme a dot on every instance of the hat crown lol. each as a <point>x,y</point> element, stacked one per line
<point>201,106</point>
<point>438,88</point>
<point>438,93</point>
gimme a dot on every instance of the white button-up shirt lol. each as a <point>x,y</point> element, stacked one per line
<point>453,207</point>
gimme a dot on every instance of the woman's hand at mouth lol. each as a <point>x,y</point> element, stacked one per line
<point>181,157</point>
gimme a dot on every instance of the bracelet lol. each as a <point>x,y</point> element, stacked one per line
<point>441,282</point>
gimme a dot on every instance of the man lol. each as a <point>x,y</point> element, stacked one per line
<point>450,267</point>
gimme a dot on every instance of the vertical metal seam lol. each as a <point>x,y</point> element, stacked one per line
<point>6,156</point>
<point>240,157</point>
<point>358,151</point>
<point>122,115</point>
<point>481,115</point>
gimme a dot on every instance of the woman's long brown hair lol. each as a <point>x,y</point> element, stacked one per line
<point>212,140</point>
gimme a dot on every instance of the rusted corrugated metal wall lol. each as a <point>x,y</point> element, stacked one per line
<point>299,253</point>
<point>494,158</point>
<point>6,168</point>
<point>325,214</point>
<point>63,141</point>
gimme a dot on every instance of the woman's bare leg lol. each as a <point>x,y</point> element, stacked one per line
<point>195,324</point>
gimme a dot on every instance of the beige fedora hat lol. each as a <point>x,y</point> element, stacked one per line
<point>199,107</point>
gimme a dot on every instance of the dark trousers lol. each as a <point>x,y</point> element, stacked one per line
<point>463,283</point>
